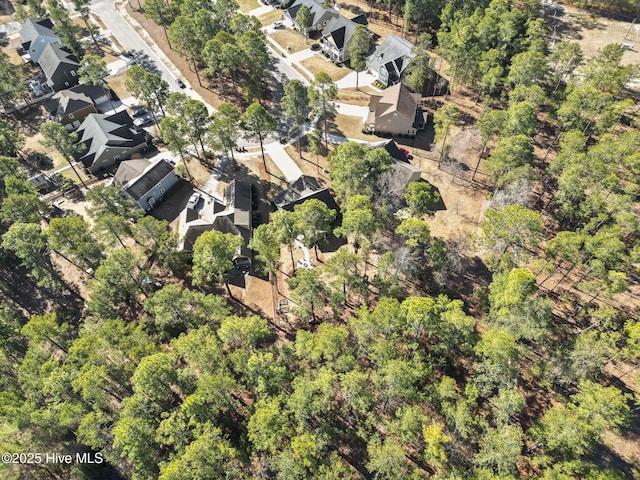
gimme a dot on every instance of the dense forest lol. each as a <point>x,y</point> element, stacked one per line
<point>512,355</point>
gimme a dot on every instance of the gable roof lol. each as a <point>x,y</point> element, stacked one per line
<point>99,131</point>
<point>66,102</point>
<point>91,91</point>
<point>33,29</point>
<point>394,53</point>
<point>303,189</point>
<point>238,196</point>
<point>395,99</point>
<point>154,172</point>
<point>130,169</point>
<point>317,10</point>
<point>53,57</point>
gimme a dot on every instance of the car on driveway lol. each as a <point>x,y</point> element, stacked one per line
<point>278,26</point>
<point>180,83</point>
<point>194,199</point>
<point>143,121</point>
<point>138,112</point>
<point>314,46</point>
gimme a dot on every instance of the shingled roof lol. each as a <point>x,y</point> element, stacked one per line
<point>395,99</point>
<point>394,53</point>
<point>65,102</point>
<point>100,131</point>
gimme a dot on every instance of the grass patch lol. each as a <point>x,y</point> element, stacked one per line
<point>248,5</point>
<point>14,58</point>
<point>356,97</point>
<point>348,126</point>
<point>117,84</point>
<point>301,72</point>
<point>318,63</point>
<point>269,18</point>
<point>290,40</point>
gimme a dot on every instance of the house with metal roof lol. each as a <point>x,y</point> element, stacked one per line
<point>390,60</point>
<point>59,66</point>
<point>107,140</point>
<point>397,112</point>
<point>146,182</point>
<point>37,34</point>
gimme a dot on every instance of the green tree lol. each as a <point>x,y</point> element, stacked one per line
<point>71,236</point>
<point>421,198</point>
<point>445,118</point>
<point>358,49</point>
<point>500,449</point>
<point>258,123</point>
<point>513,226</point>
<point>419,70</point>
<point>223,130</point>
<point>308,292</point>
<point>10,139</point>
<point>358,220</point>
<point>115,284</point>
<point>265,241</point>
<point>314,220</point>
<point>93,70</point>
<point>56,136</point>
<point>322,93</point>
<point>29,244</point>
<point>148,87</point>
<point>295,102</point>
<point>213,254</point>
<point>513,153</point>
<point>304,19</point>
<point>387,459</point>
<point>415,232</point>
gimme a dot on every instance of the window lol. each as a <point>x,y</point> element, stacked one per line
<point>71,115</point>
<point>117,157</point>
<point>73,73</point>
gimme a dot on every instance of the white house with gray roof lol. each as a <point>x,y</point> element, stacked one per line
<point>336,36</point>
<point>320,16</point>
<point>389,60</point>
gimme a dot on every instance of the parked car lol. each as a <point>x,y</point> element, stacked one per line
<point>143,121</point>
<point>138,112</point>
<point>278,26</point>
<point>315,46</point>
<point>180,83</point>
<point>194,199</point>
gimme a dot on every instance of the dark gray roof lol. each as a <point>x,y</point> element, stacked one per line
<point>394,53</point>
<point>303,189</point>
<point>139,187</point>
<point>91,91</point>
<point>238,196</point>
<point>65,102</point>
<point>99,131</point>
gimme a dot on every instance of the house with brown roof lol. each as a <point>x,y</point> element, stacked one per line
<point>397,112</point>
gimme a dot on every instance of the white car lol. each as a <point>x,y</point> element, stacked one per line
<point>194,199</point>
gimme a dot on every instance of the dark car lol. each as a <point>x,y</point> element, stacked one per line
<point>278,26</point>
<point>315,46</point>
<point>180,83</point>
<point>138,112</point>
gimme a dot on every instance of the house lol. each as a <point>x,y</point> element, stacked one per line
<point>403,171</point>
<point>146,181</point>
<point>396,112</point>
<point>69,108</point>
<point>303,189</point>
<point>337,34</point>
<point>320,16</point>
<point>37,34</point>
<point>232,215</point>
<point>107,140</point>
<point>59,66</point>
<point>389,61</point>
